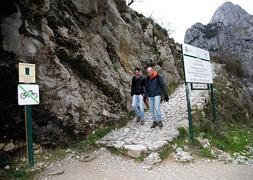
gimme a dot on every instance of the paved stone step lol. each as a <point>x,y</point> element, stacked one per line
<point>136,138</point>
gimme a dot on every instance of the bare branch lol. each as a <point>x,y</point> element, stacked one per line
<point>130,2</point>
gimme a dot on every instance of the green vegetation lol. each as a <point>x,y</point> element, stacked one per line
<point>87,144</point>
<point>165,151</point>
<point>232,63</point>
<point>232,137</point>
<point>121,122</point>
<point>21,174</point>
<point>172,87</point>
<point>205,152</point>
<point>90,141</point>
<point>159,32</point>
<point>180,142</point>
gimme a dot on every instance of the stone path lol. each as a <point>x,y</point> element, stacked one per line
<point>136,138</point>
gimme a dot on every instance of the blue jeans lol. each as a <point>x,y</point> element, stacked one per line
<point>138,106</point>
<point>154,107</point>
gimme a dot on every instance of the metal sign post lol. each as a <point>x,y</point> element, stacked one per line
<point>29,135</point>
<point>28,94</point>
<point>213,103</point>
<point>189,112</point>
<point>198,73</point>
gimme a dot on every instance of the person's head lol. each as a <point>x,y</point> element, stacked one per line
<point>150,71</point>
<point>137,72</point>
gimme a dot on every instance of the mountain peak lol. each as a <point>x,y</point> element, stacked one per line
<point>229,14</point>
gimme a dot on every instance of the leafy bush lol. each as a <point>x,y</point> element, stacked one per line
<point>232,64</point>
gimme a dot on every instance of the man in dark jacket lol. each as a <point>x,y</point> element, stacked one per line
<point>137,92</point>
<point>154,88</point>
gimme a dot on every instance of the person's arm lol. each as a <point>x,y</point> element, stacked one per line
<point>143,85</point>
<point>163,87</point>
<point>132,87</point>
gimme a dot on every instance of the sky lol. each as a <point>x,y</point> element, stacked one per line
<point>179,15</point>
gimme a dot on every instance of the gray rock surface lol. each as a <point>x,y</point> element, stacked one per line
<point>85,52</point>
<point>182,156</point>
<point>228,34</point>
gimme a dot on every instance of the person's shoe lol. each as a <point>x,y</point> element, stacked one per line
<point>142,122</point>
<point>154,124</point>
<point>138,119</point>
<point>160,124</point>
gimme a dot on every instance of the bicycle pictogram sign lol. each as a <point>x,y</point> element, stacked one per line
<point>28,94</point>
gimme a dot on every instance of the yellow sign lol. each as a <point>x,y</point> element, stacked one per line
<point>27,73</point>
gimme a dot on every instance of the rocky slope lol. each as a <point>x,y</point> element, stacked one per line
<point>229,34</point>
<point>85,52</point>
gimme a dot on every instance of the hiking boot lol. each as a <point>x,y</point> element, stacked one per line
<point>160,124</point>
<point>138,119</point>
<point>154,124</point>
<point>142,122</point>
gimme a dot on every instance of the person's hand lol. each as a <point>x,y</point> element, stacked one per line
<point>144,98</point>
<point>166,98</point>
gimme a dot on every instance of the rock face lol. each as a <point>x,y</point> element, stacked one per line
<point>230,33</point>
<point>85,52</point>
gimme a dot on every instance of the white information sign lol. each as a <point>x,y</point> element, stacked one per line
<point>197,65</point>
<point>26,73</point>
<point>196,86</point>
<point>28,94</point>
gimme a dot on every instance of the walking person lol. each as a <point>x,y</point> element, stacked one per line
<point>137,93</point>
<point>154,88</point>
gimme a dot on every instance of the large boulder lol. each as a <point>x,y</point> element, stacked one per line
<point>85,52</point>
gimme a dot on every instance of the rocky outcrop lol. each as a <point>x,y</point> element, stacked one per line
<point>229,33</point>
<point>85,52</point>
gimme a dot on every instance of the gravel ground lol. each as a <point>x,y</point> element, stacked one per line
<point>112,167</point>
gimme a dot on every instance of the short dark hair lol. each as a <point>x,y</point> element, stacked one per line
<point>137,69</point>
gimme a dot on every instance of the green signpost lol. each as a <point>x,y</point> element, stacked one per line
<point>29,134</point>
<point>213,102</point>
<point>189,112</point>
<point>28,94</point>
<point>197,70</point>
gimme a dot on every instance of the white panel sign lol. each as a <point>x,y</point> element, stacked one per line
<point>26,73</point>
<point>28,94</point>
<point>197,65</point>
<point>196,86</point>
<point>196,52</point>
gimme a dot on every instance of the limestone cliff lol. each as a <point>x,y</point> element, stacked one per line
<point>85,52</point>
<point>229,33</point>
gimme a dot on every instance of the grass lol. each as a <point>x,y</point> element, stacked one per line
<point>172,87</point>
<point>25,172</point>
<point>21,174</point>
<point>165,151</point>
<point>90,141</point>
<point>205,152</point>
<point>233,138</point>
<point>87,144</point>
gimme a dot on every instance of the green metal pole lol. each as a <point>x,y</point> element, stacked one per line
<point>213,101</point>
<point>29,135</point>
<point>189,112</point>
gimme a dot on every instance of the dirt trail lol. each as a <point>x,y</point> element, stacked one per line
<point>112,167</point>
